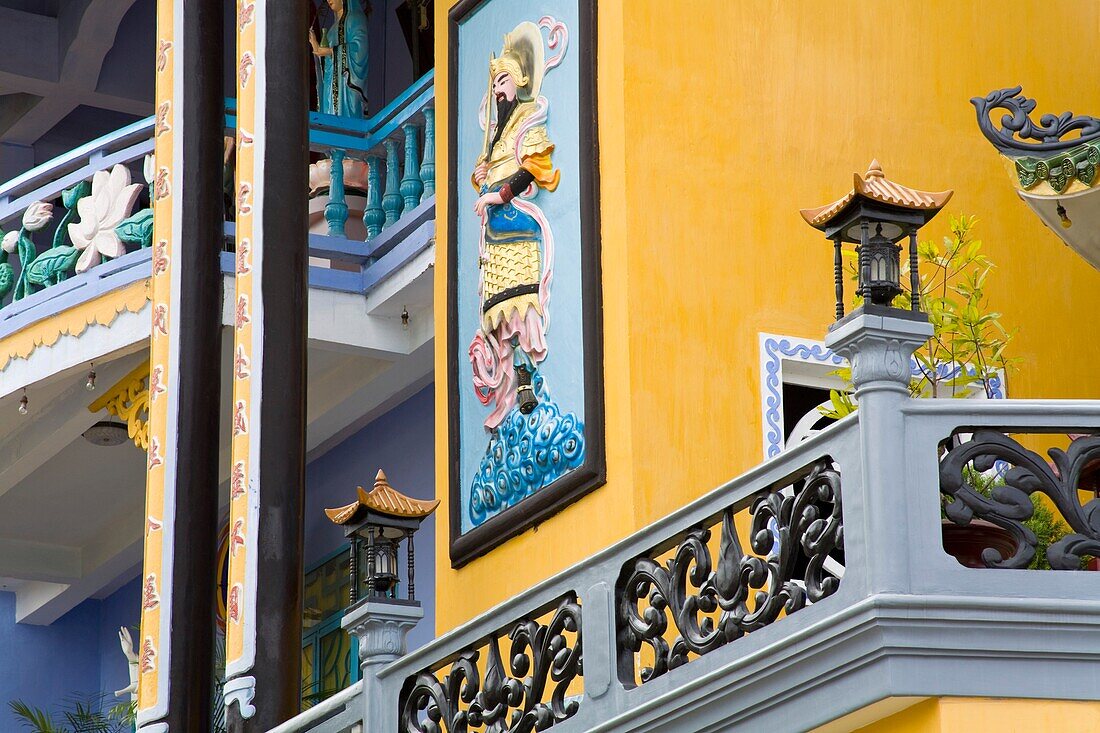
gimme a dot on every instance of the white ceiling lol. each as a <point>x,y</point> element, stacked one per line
<point>72,513</point>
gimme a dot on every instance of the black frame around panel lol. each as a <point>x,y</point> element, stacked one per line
<point>533,510</point>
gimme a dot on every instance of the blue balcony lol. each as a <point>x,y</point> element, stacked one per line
<point>370,216</point>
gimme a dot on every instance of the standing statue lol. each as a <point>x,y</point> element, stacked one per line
<point>342,61</point>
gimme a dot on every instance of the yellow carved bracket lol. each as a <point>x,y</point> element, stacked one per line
<point>128,400</point>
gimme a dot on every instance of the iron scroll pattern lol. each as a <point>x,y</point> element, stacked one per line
<point>1009,503</point>
<point>514,700</point>
<point>1020,135</point>
<point>795,527</point>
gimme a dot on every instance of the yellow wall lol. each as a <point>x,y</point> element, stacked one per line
<point>717,124</point>
<point>963,715</point>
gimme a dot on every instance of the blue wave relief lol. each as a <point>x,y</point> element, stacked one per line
<point>526,453</point>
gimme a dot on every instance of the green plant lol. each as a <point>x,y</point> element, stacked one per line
<point>967,347</point>
<point>89,714</point>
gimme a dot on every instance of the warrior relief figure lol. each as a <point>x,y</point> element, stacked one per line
<point>532,442</point>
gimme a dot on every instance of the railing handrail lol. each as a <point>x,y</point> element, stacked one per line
<point>77,157</point>
<point>331,131</point>
<point>326,131</point>
<point>321,121</point>
<point>402,102</point>
<point>322,709</point>
<point>705,507</point>
<point>1053,412</point>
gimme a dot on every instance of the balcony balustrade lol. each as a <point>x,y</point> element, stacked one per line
<point>102,241</point>
<point>813,586</point>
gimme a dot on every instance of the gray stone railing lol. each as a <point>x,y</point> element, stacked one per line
<point>839,595</point>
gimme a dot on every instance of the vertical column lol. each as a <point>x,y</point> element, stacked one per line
<point>838,276</point>
<point>427,168</point>
<point>879,348</point>
<point>176,646</point>
<point>864,262</point>
<point>336,210</point>
<point>263,633</point>
<point>392,200</point>
<point>374,217</point>
<point>914,272</point>
<point>411,185</point>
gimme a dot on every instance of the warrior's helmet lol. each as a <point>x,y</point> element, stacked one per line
<point>522,59</point>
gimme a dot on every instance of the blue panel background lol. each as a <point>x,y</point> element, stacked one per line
<point>77,655</point>
<point>480,34</point>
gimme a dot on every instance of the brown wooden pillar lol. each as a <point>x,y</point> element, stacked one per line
<point>267,472</point>
<point>175,646</point>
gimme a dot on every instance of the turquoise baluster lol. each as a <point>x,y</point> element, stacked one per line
<point>373,216</point>
<point>336,210</point>
<point>427,168</point>
<point>391,200</point>
<point>411,187</point>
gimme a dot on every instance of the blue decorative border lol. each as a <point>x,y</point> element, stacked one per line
<point>775,349</point>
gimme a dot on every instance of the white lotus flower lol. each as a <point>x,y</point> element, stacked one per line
<point>112,198</point>
<point>37,216</point>
<point>11,239</point>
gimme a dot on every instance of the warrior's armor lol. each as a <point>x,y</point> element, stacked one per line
<point>512,263</point>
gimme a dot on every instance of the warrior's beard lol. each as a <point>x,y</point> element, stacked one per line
<point>504,111</point>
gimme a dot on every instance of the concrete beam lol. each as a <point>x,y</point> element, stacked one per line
<point>30,45</point>
<point>113,555</point>
<point>39,561</point>
<point>30,65</point>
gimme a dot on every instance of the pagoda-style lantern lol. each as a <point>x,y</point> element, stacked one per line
<point>376,524</point>
<point>875,215</point>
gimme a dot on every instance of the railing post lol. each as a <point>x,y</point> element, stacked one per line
<point>427,167</point>
<point>411,187</point>
<point>373,216</point>
<point>879,343</point>
<point>336,210</point>
<point>391,200</point>
<point>382,630</point>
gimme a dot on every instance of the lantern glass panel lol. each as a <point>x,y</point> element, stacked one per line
<point>883,269</point>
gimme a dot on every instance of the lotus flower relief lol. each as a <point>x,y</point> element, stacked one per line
<point>37,216</point>
<point>112,198</point>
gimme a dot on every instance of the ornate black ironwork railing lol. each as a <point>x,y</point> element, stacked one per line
<point>468,692</point>
<point>1021,474</point>
<point>712,600</point>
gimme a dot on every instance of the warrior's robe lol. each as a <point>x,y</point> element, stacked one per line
<point>512,264</point>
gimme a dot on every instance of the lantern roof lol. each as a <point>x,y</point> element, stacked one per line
<point>874,186</point>
<point>382,499</point>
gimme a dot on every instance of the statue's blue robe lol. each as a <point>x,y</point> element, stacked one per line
<point>342,81</point>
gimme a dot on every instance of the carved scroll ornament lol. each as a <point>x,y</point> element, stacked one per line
<point>1009,504</point>
<point>507,699</point>
<point>715,600</point>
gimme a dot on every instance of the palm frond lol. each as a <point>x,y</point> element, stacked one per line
<point>35,719</point>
